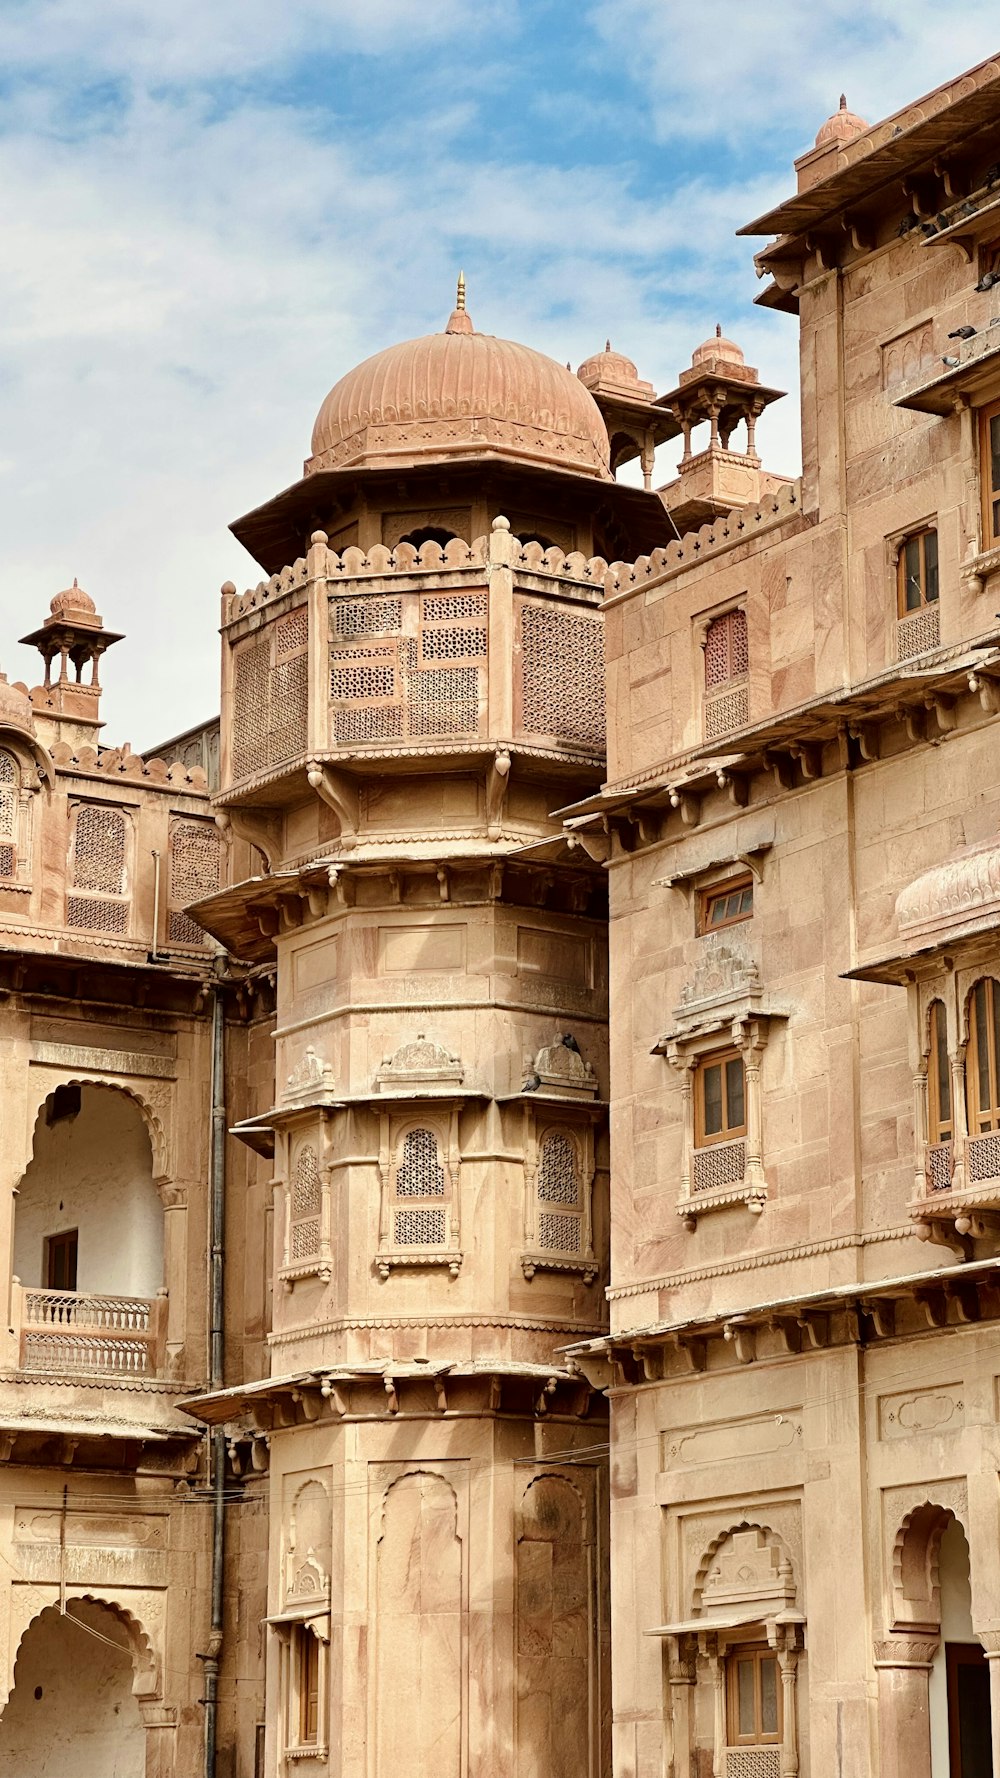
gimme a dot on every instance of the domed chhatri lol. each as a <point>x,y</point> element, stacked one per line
<point>73,603</point>
<point>609,370</point>
<point>450,394</point>
<point>717,351</point>
<point>843,126</point>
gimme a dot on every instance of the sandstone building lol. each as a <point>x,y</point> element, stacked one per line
<point>326,1259</point>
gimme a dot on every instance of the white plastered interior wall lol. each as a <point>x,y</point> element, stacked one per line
<point>72,1713</point>
<point>94,1173</point>
<point>956,1626</point>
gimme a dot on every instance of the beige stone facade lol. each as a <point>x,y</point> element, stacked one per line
<point>563,980</point>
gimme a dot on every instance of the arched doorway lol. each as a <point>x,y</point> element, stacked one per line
<point>959,1679</point>
<point>89,1217</point>
<point>72,1712</point>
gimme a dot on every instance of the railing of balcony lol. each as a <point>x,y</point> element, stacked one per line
<point>65,1332</point>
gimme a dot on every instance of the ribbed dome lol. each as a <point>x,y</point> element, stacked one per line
<point>458,393</point>
<point>843,126</point>
<point>717,350</point>
<point>74,602</point>
<point>613,370</point>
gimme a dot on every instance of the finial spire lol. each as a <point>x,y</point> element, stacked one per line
<point>460,321</point>
<point>843,101</point>
<point>718,330</point>
<point>460,294</point>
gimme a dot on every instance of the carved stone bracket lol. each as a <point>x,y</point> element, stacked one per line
<point>340,793</point>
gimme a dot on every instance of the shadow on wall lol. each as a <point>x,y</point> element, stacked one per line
<point>71,1713</point>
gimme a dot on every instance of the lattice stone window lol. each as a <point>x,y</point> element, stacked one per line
<point>10,787</point>
<point>98,900</point>
<point>305,1207</point>
<point>270,696</point>
<point>561,671</point>
<point>420,1175</point>
<point>727,665</point>
<point>407,667</point>
<point>722,1108</point>
<point>559,1182</point>
<point>196,856</point>
<point>307,1215</point>
<point>419,1218</point>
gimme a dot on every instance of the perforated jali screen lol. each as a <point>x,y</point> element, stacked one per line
<point>561,672</point>
<point>271,696</point>
<point>195,871</point>
<point>722,1163</point>
<point>918,632</point>
<point>420,1175</point>
<point>10,779</point>
<point>559,1183</point>
<point>727,663</point>
<point>304,1222</point>
<point>407,667</point>
<point>100,845</point>
<point>753,1762</point>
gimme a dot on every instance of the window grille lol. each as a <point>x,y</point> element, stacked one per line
<point>562,676</point>
<point>100,847</point>
<point>722,1164</point>
<point>195,871</point>
<point>558,1172</point>
<point>367,617</point>
<point>305,1210</point>
<point>918,633</point>
<point>10,782</point>
<point>420,1175</point>
<point>939,1166</point>
<point>270,700</point>
<point>727,663</point>
<point>753,1762</point>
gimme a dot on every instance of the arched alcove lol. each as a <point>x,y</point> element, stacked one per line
<point>90,1177</point>
<point>72,1712</point>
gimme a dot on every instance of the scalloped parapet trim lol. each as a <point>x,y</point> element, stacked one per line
<point>116,762</point>
<point>739,526</point>
<point>939,100</point>
<point>323,563</point>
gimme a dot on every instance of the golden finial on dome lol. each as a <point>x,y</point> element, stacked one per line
<point>460,293</point>
<point>460,321</point>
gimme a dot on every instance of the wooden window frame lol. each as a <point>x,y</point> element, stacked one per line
<point>308,1669</point>
<point>990,495</point>
<point>67,1240</point>
<point>757,1652</point>
<point>728,1132</point>
<point>918,537</point>
<point>983,1118</point>
<point>720,892</point>
<point>940,1127</point>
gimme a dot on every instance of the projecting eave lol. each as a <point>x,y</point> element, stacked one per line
<point>862,1295</point>
<point>976,373</point>
<point>926,132</point>
<point>913,958</point>
<point>309,1394</point>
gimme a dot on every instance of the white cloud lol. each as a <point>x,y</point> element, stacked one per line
<point>183,279</point>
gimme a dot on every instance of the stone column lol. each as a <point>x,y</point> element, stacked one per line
<point>174,1200</point>
<point>788,1663</point>
<point>682,1677</point>
<point>903,1664</point>
<point>160,1723</point>
<point>990,1640</point>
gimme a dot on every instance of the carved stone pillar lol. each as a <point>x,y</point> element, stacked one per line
<point>904,1725</point>
<point>990,1640</point>
<point>160,1723</point>
<point>752,1049</point>
<point>173,1197</point>
<point>961,1122</point>
<point>788,1667</point>
<point>682,1674</point>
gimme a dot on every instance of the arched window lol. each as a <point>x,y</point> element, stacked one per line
<point>99,862</point>
<point>305,1207</point>
<point>983,1060</point>
<point>10,784</point>
<point>419,1213</point>
<point>940,1126</point>
<point>560,1210</point>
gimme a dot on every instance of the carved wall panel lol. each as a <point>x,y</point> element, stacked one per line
<point>555,1629</point>
<point>420,1631</point>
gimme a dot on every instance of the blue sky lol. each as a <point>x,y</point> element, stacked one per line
<point>212,209</point>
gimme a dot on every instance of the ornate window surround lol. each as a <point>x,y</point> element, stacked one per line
<point>960,1206</point>
<point>26,787</point>
<point>442,1118</point>
<point>547,1122</point>
<point>722,1008</point>
<point>310,1129</point>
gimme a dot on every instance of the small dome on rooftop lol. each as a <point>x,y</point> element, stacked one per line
<point>843,126</point>
<point>73,601</point>
<point>15,708</point>
<point>717,350</point>
<point>611,367</point>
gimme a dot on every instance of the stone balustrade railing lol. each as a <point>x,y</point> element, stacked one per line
<point>67,1332</point>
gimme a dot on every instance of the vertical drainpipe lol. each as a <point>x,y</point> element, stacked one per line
<point>217,1443</point>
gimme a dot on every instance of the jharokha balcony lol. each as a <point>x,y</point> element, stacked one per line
<point>69,1333</point>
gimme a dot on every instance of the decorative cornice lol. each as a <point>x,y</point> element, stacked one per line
<point>752,1262</point>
